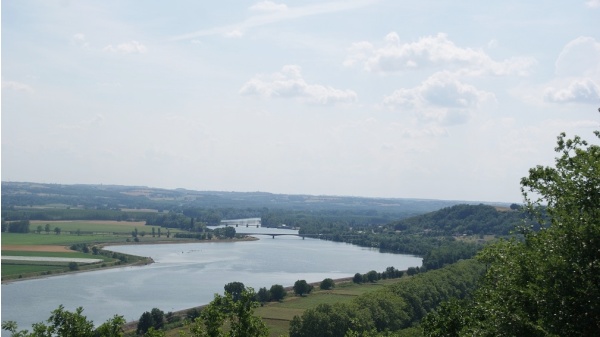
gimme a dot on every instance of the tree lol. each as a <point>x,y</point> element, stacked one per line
<point>64,323</point>
<point>277,292</point>
<point>548,283</point>
<point>57,230</point>
<point>47,228</point>
<point>357,278</point>
<point>39,229</point>
<point>372,276</point>
<point>263,295</point>
<point>301,287</point>
<point>235,289</point>
<point>73,266</point>
<point>237,314</point>
<point>144,323</point>
<point>327,284</point>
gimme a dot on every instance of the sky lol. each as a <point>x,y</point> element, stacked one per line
<point>451,100</point>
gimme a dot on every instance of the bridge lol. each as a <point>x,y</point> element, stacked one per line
<point>317,236</point>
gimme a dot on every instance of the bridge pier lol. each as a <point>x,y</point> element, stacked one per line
<point>273,236</point>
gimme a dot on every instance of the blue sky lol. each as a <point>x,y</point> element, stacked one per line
<point>409,99</point>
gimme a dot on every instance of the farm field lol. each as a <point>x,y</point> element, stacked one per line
<point>53,245</point>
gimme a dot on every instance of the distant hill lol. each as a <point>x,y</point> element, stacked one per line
<point>115,196</point>
<point>464,219</point>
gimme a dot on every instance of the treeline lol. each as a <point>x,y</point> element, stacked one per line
<point>21,226</point>
<point>392,308</point>
<point>324,219</point>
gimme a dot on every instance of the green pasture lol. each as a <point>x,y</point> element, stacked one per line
<point>93,226</point>
<point>52,254</point>
<point>22,269</point>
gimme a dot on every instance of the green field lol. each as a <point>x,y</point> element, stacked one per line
<point>122,227</point>
<point>62,239</point>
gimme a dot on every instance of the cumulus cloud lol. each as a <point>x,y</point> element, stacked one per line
<point>268,6</point>
<point>431,51</point>
<point>289,82</point>
<point>132,47</point>
<point>579,57</point>
<point>441,98</point>
<point>579,91</point>
<point>16,86</point>
<point>578,70</point>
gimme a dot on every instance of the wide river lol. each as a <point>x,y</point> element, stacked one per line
<point>187,275</point>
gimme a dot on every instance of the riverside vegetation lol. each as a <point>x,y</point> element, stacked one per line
<point>543,279</point>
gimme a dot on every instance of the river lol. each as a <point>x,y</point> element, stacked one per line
<point>189,274</point>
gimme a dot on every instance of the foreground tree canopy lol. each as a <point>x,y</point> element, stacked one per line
<point>547,284</point>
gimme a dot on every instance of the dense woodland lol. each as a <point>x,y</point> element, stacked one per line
<point>539,276</point>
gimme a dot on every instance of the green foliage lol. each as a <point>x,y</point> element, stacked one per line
<point>277,292</point>
<point>63,323</point>
<point>155,319</point>
<point>547,284</point>
<point>21,226</point>
<point>301,287</point>
<point>235,289</point>
<point>237,315</point>
<point>391,308</point>
<point>327,284</point>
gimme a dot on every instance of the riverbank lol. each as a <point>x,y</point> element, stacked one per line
<point>130,260</point>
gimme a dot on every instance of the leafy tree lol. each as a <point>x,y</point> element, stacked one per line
<point>547,284</point>
<point>238,315</point>
<point>357,278</point>
<point>301,288</point>
<point>158,318</point>
<point>145,322</point>
<point>73,266</point>
<point>327,284</point>
<point>372,276</point>
<point>39,229</point>
<point>277,292</point>
<point>47,228</point>
<point>64,323</point>
<point>263,295</point>
<point>235,289</point>
<point>57,230</point>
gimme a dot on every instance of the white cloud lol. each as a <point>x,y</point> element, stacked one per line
<point>17,86</point>
<point>579,57</point>
<point>132,47</point>
<point>432,51</point>
<point>80,41</point>
<point>593,3</point>
<point>579,91</point>
<point>578,70</point>
<point>268,6</point>
<point>290,83</point>
<point>235,34</point>
<point>441,98</point>
<point>271,16</point>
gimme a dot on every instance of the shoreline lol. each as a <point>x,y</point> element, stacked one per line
<point>145,260</point>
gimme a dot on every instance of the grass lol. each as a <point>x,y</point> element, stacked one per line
<point>93,226</point>
<point>54,239</point>
<point>22,269</point>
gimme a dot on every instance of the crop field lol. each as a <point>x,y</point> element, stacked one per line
<point>54,239</point>
<point>92,226</point>
<point>277,315</point>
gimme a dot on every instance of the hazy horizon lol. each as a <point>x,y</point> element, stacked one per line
<point>368,98</point>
